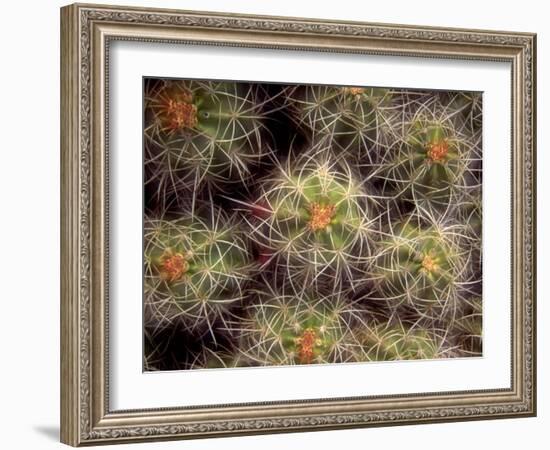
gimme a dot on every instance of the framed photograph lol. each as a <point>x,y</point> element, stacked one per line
<point>276,225</point>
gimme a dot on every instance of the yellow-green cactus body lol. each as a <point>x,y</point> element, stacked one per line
<point>297,328</point>
<point>397,342</point>
<point>317,220</point>
<point>421,267</point>
<point>194,269</point>
<point>203,132</point>
<point>347,117</point>
<point>430,166</point>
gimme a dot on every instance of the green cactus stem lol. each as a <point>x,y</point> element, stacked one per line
<point>195,269</point>
<point>286,326</point>
<point>424,267</point>
<point>391,342</point>
<point>431,166</point>
<point>349,118</point>
<point>200,133</point>
<point>315,218</point>
<point>469,328</point>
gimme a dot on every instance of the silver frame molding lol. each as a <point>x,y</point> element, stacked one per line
<point>86,32</point>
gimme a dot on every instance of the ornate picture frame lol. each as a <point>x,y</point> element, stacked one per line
<point>87,33</point>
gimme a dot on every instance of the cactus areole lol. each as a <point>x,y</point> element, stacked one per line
<point>429,263</point>
<point>306,344</point>
<point>320,216</point>
<point>173,265</point>
<point>178,112</point>
<point>357,91</point>
<point>437,151</point>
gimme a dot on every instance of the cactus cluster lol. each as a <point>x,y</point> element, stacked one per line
<point>298,224</point>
